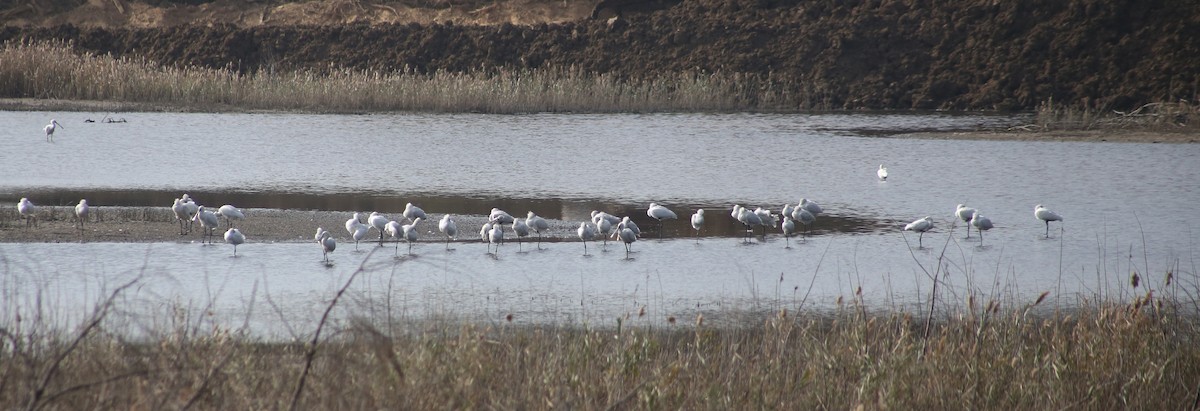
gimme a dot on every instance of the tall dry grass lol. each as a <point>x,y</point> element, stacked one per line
<point>54,71</point>
<point>1142,354</point>
<point>1163,116</point>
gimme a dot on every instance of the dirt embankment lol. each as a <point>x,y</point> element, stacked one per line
<point>975,54</point>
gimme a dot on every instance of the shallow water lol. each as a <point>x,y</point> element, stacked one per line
<point>1112,196</point>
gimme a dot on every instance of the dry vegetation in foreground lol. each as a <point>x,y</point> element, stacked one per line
<point>1180,116</point>
<point>1144,354</point>
<point>54,71</point>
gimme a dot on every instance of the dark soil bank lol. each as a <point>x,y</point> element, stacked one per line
<point>973,54</point>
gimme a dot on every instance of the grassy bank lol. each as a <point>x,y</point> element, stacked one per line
<point>1144,354</point>
<point>54,71</point>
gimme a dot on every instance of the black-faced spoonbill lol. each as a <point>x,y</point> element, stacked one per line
<point>500,216</point>
<point>328,244</point>
<point>586,233</point>
<point>81,213</point>
<point>789,227</point>
<point>230,213</point>
<point>395,231</point>
<point>1044,214</point>
<point>698,222</point>
<point>49,129</point>
<point>496,236</point>
<point>811,206</point>
<point>379,221</point>
<point>359,233</point>
<point>410,233</point>
<point>235,237</point>
<point>804,217</point>
<point>660,213</point>
<point>628,236</point>
<point>881,173</point>
<point>448,228</point>
<point>412,212</point>
<point>538,225</point>
<point>521,230</point>
<point>920,226</point>
<point>965,213</point>
<point>353,223</point>
<point>28,211</point>
<point>208,222</point>
<point>603,227</point>
<point>981,224</point>
<point>180,209</point>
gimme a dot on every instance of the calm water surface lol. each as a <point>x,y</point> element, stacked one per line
<point>1115,198</point>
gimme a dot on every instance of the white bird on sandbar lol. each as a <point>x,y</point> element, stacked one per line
<point>603,227</point>
<point>804,217</point>
<point>448,228</point>
<point>627,223</point>
<point>179,208</point>
<point>353,223</point>
<point>28,211</point>
<point>749,219</point>
<point>81,213</point>
<point>500,216</point>
<point>586,233</point>
<point>49,129</point>
<point>920,226</point>
<point>981,224</point>
<point>379,222</point>
<point>789,228</point>
<point>612,219</point>
<point>965,213</point>
<point>766,218</point>
<point>412,212</point>
<point>359,233</point>
<point>698,222</point>
<point>208,223</point>
<point>538,225</point>
<point>230,213</point>
<point>521,230</point>
<point>1044,214</point>
<point>496,236</point>
<point>660,213</point>
<point>811,206</point>
<point>881,173</point>
<point>235,237</point>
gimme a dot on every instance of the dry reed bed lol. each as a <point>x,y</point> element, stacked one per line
<point>54,71</point>
<point>1144,354</point>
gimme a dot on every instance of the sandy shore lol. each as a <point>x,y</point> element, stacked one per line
<point>157,224</point>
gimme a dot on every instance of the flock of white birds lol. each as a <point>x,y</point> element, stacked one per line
<point>601,225</point>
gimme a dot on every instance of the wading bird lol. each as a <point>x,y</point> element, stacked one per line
<point>789,227</point>
<point>208,222</point>
<point>538,225</point>
<point>882,173</point>
<point>698,222</point>
<point>410,233</point>
<point>81,213</point>
<point>379,222</point>
<point>660,213</point>
<point>412,212</point>
<point>353,223</point>
<point>981,224</point>
<point>920,226</point>
<point>1044,214</point>
<point>521,230</point>
<point>235,237</point>
<point>500,216</point>
<point>603,227</point>
<point>395,231</point>
<point>230,213</point>
<point>628,237</point>
<point>359,233</point>
<point>811,206</point>
<point>28,211</point>
<point>181,214</point>
<point>49,129</point>
<point>496,236</point>
<point>586,233</point>
<point>804,217</point>
<point>965,213</point>
<point>448,228</point>
<point>328,244</point>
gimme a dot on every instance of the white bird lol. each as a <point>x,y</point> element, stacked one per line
<point>920,226</point>
<point>28,211</point>
<point>981,224</point>
<point>353,223</point>
<point>787,210</point>
<point>235,237</point>
<point>1044,214</point>
<point>500,216</point>
<point>81,213</point>
<point>882,173</point>
<point>327,242</point>
<point>698,222</point>
<point>811,206</point>
<point>804,217</point>
<point>49,129</point>
<point>359,233</point>
<point>230,213</point>
<point>520,229</point>
<point>749,219</point>
<point>394,230</point>
<point>765,218</point>
<point>448,228</point>
<point>485,231</point>
<point>586,233</point>
<point>628,236</point>
<point>627,223</point>
<point>412,212</point>
<point>603,227</point>
<point>321,233</point>
<point>208,222</point>
<point>190,209</point>
<point>660,213</point>
<point>537,224</point>
<point>612,219</point>
<point>379,222</point>
<point>410,233</point>
<point>179,208</point>
<point>965,213</point>
<point>496,236</point>
<point>789,227</point>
